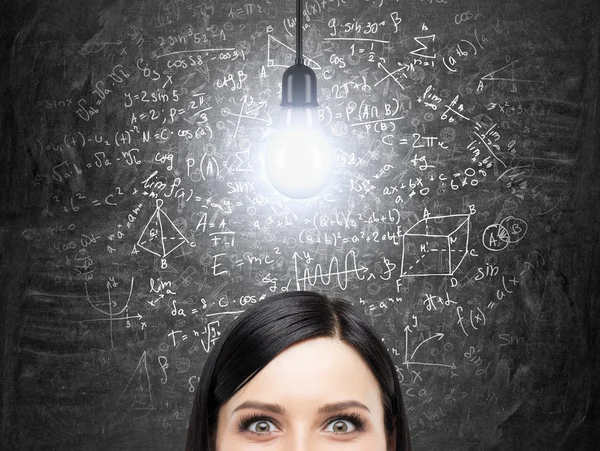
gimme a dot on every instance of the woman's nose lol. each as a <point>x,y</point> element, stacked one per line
<point>300,439</point>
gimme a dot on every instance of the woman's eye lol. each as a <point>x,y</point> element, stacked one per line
<point>341,426</point>
<point>262,427</point>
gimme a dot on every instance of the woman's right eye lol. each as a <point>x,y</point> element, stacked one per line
<point>262,424</point>
<point>262,427</point>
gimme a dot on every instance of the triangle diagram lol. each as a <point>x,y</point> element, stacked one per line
<point>136,399</point>
<point>507,73</point>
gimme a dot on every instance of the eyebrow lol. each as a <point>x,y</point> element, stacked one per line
<point>280,410</point>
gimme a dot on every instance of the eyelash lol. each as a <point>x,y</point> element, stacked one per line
<point>353,417</point>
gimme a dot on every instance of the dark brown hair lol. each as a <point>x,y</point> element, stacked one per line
<point>266,329</point>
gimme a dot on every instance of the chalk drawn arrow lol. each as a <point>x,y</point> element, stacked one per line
<point>408,362</point>
<point>138,316</point>
<point>439,336</point>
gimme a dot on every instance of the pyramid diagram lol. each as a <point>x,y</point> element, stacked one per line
<point>160,236</point>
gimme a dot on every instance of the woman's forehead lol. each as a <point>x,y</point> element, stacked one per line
<point>310,372</point>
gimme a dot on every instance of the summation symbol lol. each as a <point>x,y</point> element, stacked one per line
<point>136,399</point>
<point>160,236</point>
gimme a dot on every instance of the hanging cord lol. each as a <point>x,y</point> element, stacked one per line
<point>299,56</point>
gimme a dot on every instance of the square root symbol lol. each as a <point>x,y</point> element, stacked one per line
<point>435,246</point>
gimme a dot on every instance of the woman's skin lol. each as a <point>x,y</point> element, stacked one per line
<point>301,379</point>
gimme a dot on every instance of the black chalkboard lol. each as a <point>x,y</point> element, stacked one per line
<point>462,219</point>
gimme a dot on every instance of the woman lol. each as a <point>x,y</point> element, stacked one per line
<point>299,372</point>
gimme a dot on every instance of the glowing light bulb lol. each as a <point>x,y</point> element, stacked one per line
<point>299,160</point>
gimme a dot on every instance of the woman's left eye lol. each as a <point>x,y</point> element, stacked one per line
<point>340,426</point>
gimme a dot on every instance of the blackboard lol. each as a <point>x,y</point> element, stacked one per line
<point>461,221</point>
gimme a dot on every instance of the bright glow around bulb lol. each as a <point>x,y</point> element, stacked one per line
<point>299,161</point>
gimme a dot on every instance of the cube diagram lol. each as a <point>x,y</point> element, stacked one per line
<point>435,246</point>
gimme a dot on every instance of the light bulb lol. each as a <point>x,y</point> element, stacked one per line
<point>299,160</point>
